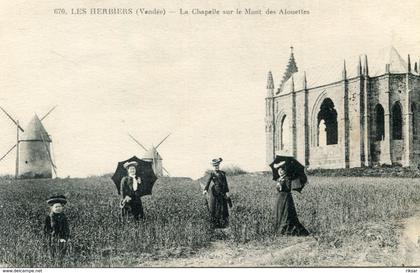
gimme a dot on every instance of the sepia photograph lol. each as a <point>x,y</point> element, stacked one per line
<point>281,135</point>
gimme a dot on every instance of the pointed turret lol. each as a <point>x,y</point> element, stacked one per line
<point>408,64</point>
<point>270,81</point>
<point>359,67</point>
<point>366,67</point>
<point>344,70</point>
<point>290,69</point>
<point>415,67</point>
<point>270,85</point>
<point>305,82</point>
<point>293,84</point>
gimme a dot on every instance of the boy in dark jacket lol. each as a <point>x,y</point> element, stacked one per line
<point>56,227</point>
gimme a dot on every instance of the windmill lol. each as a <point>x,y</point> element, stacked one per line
<point>33,149</point>
<point>153,155</point>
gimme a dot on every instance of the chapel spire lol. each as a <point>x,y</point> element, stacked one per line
<point>408,64</point>
<point>359,67</point>
<point>270,81</point>
<point>366,68</point>
<point>290,69</point>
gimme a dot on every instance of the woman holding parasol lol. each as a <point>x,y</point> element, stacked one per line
<point>133,179</point>
<point>289,176</point>
<point>130,189</point>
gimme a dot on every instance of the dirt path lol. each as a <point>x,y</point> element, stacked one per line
<point>410,241</point>
<point>225,254</point>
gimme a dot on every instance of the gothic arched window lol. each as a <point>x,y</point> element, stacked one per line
<point>397,121</point>
<point>379,123</point>
<point>284,133</point>
<point>327,116</point>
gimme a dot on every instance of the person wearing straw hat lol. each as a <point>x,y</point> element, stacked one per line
<point>56,226</point>
<point>219,195</point>
<point>286,220</point>
<point>130,190</point>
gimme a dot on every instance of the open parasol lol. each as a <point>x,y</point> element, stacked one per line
<point>294,169</point>
<point>143,169</point>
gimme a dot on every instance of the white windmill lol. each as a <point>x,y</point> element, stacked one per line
<point>153,156</point>
<point>33,149</point>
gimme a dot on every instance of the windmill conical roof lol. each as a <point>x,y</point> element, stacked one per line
<point>35,131</point>
<point>151,154</point>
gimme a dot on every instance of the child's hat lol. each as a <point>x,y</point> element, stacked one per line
<point>57,199</point>
<point>216,161</point>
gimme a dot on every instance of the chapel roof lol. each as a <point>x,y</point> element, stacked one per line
<point>319,75</point>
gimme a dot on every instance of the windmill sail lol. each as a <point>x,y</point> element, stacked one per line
<point>47,149</point>
<point>33,153</point>
<point>136,141</point>
<point>152,155</point>
<point>166,171</point>
<point>49,112</point>
<point>8,152</point>
<point>157,146</point>
<point>12,119</point>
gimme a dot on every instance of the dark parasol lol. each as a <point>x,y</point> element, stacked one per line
<point>294,169</point>
<point>143,169</point>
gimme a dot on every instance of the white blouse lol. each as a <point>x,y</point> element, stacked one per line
<point>135,183</point>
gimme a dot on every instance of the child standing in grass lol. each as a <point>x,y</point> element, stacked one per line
<point>56,226</point>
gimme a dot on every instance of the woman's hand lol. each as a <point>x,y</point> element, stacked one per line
<point>282,176</point>
<point>278,186</point>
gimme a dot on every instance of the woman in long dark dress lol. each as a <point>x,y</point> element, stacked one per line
<point>130,189</point>
<point>286,220</point>
<point>219,196</point>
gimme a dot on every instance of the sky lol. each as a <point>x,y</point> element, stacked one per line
<point>200,78</point>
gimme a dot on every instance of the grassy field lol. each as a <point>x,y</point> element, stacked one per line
<point>347,216</point>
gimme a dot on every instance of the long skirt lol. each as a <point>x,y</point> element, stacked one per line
<point>219,212</point>
<point>135,206</point>
<point>286,220</point>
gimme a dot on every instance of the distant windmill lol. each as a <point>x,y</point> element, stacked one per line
<point>33,149</point>
<point>153,155</point>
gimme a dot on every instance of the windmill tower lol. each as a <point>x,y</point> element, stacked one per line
<point>152,155</point>
<point>33,149</point>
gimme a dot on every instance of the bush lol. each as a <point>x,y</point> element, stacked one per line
<point>230,170</point>
<point>383,171</point>
<point>234,170</point>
